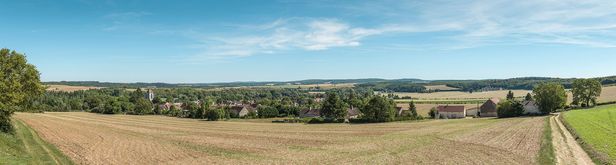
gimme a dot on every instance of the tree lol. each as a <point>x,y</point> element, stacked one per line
<point>333,107</point>
<point>586,91</point>
<point>267,111</point>
<point>136,95</point>
<point>213,114</point>
<point>528,97</point>
<point>550,96</point>
<point>510,96</point>
<point>143,106</point>
<point>509,108</point>
<point>19,81</point>
<point>413,110</point>
<point>379,109</point>
<point>432,112</point>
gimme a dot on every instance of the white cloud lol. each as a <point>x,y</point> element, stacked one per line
<point>281,35</point>
<point>468,24</point>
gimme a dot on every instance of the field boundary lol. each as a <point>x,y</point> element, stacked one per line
<point>546,152</point>
<point>596,156</point>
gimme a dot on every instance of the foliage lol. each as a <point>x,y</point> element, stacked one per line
<point>510,95</point>
<point>585,92</point>
<point>267,112</point>
<point>432,112</point>
<point>550,97</point>
<point>333,107</point>
<point>509,108</point>
<point>528,97</point>
<point>379,109</point>
<point>19,83</point>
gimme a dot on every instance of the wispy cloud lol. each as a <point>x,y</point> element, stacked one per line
<point>289,34</point>
<point>468,24</point>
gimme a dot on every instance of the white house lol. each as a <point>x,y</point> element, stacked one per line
<point>530,107</point>
<point>451,112</point>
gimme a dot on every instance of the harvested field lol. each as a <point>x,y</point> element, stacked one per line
<point>439,87</point>
<point>423,109</point>
<point>608,93</point>
<point>67,88</point>
<point>121,139</point>
<point>463,95</point>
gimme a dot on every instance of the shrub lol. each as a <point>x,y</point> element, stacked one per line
<point>509,108</point>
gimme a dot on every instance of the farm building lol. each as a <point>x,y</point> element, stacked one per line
<point>451,112</point>
<point>402,111</point>
<point>309,112</point>
<point>530,107</point>
<point>488,109</point>
<point>353,113</point>
<point>473,112</point>
<point>240,110</point>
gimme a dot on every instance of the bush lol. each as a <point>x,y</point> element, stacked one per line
<point>267,112</point>
<point>509,108</point>
<point>213,114</point>
<point>318,120</point>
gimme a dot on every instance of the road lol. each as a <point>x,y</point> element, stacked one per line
<point>567,150</point>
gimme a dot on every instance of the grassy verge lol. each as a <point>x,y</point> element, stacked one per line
<point>593,129</point>
<point>546,153</point>
<point>26,147</point>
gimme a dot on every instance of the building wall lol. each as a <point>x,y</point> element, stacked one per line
<point>452,115</point>
<point>472,112</point>
<point>531,109</point>
<point>488,109</point>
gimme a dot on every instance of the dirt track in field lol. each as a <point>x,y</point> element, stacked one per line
<point>120,139</point>
<point>567,150</point>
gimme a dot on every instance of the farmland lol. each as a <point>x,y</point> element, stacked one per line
<point>26,147</point>
<point>123,139</point>
<point>67,88</point>
<point>596,128</point>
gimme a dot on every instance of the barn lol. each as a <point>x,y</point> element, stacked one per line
<point>531,108</point>
<point>451,112</point>
<point>488,109</point>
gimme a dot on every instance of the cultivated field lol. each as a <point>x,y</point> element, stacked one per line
<point>597,128</point>
<point>439,87</point>
<point>423,109</point>
<point>121,139</point>
<point>463,95</point>
<point>26,147</point>
<point>67,88</point>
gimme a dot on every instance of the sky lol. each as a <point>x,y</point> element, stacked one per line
<point>205,41</point>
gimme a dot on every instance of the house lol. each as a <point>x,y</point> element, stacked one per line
<point>451,111</point>
<point>309,112</point>
<point>488,109</point>
<point>473,112</point>
<point>240,111</point>
<point>352,113</point>
<point>530,107</point>
<point>167,106</point>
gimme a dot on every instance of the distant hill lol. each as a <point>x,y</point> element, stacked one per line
<point>398,85</point>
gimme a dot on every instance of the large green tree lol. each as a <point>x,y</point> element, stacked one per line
<point>19,81</point>
<point>333,107</point>
<point>585,91</point>
<point>379,109</point>
<point>550,96</point>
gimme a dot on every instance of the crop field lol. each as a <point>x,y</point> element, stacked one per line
<point>449,95</point>
<point>439,87</point>
<point>423,109</point>
<point>597,129</point>
<point>26,147</point>
<point>122,139</point>
<point>67,88</point>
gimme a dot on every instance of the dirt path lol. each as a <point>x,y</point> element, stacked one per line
<point>567,150</point>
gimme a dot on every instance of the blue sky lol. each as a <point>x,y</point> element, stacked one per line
<point>255,40</point>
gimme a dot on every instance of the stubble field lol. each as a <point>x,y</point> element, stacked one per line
<point>121,139</point>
